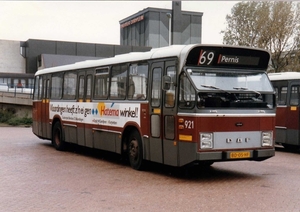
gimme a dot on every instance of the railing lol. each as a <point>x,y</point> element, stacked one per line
<point>16,90</point>
<point>16,96</point>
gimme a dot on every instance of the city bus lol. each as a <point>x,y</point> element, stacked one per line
<point>287,128</point>
<point>178,105</point>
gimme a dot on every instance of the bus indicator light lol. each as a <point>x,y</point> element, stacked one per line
<point>181,120</point>
<point>181,127</point>
<point>185,137</point>
<point>156,110</point>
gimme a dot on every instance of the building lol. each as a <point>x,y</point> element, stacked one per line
<point>45,53</point>
<point>151,27</point>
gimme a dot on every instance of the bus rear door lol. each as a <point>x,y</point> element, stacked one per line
<point>43,117</point>
<point>84,134</point>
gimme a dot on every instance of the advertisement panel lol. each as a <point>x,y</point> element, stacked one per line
<point>107,114</point>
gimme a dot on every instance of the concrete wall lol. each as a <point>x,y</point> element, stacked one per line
<point>21,111</point>
<point>21,103</point>
<point>11,60</point>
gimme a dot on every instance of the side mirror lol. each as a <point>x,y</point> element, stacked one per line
<point>167,81</point>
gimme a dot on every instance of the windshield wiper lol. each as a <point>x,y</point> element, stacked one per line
<point>220,89</point>
<point>214,87</point>
<point>247,89</point>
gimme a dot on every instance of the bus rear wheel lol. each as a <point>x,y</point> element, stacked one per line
<point>135,150</point>
<point>57,137</point>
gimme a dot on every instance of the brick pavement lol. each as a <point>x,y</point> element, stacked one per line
<point>36,177</point>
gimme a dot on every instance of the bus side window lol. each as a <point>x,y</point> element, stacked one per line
<point>156,87</point>
<point>282,94</point>
<point>137,85</point>
<point>36,88</point>
<point>101,83</point>
<point>187,93</point>
<point>118,82</point>
<point>294,100</point>
<point>88,88</point>
<point>170,94</point>
<point>56,86</point>
<point>70,84</point>
<point>81,88</point>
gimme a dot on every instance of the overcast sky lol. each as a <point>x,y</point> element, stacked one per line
<point>96,21</point>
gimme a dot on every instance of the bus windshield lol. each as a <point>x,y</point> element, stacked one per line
<point>230,81</point>
<point>227,89</point>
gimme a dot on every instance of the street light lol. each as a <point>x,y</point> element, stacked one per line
<point>169,15</point>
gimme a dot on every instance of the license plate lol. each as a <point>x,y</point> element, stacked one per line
<point>240,155</point>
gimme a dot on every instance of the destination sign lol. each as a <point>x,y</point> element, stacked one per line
<point>233,59</point>
<point>228,57</point>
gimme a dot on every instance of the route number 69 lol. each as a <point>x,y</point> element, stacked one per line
<point>205,58</point>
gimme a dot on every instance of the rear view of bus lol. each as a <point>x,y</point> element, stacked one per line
<point>226,104</point>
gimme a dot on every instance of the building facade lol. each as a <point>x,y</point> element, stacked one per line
<point>45,53</point>
<point>10,58</point>
<point>151,27</point>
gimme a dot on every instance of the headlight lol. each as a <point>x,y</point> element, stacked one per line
<point>267,138</point>
<point>206,140</point>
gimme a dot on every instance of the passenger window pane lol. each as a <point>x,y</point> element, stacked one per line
<point>36,88</point>
<point>282,96</point>
<point>137,85</point>
<point>170,94</point>
<point>56,86</point>
<point>81,87</point>
<point>70,81</point>
<point>156,87</point>
<point>294,95</point>
<point>118,82</point>
<point>89,87</point>
<point>101,84</point>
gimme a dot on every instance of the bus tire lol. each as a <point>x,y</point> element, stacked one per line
<point>57,137</point>
<point>135,150</point>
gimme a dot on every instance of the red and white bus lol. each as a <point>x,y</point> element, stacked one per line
<point>287,87</point>
<point>175,105</point>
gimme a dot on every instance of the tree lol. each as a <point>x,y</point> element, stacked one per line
<point>272,25</point>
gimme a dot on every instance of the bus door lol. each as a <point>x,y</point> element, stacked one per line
<point>170,146</point>
<point>44,116</point>
<point>293,114</point>
<point>281,89</point>
<point>36,106</point>
<point>162,120</point>
<point>84,98</point>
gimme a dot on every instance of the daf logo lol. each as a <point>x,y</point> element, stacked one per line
<point>238,140</point>
<point>239,124</point>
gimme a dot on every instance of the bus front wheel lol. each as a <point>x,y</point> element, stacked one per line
<point>135,150</point>
<point>57,137</point>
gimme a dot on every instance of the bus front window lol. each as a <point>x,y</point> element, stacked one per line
<point>232,89</point>
<point>187,94</point>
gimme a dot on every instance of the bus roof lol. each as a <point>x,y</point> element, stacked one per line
<point>284,76</point>
<point>179,51</point>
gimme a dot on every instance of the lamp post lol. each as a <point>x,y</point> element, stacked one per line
<point>169,15</point>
